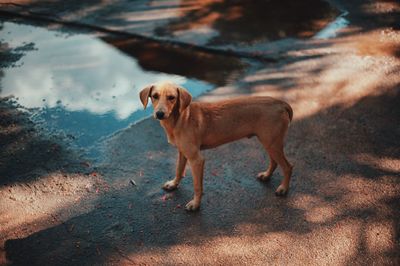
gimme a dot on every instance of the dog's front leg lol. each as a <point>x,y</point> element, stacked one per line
<point>197,164</point>
<point>180,172</point>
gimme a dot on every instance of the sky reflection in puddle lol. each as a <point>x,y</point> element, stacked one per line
<point>77,83</point>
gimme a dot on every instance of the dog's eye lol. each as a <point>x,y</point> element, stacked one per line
<point>171,98</point>
<point>155,96</point>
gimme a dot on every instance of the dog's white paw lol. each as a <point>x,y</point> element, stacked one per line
<point>192,205</point>
<point>281,190</point>
<point>264,176</point>
<point>170,185</point>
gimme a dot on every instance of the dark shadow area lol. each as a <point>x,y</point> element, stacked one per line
<point>154,56</point>
<point>372,14</point>
<point>135,220</point>
<point>55,8</point>
<point>344,159</point>
<point>25,152</point>
<point>238,21</point>
<point>243,21</point>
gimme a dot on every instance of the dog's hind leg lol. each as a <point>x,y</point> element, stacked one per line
<point>276,152</point>
<point>274,147</point>
<point>264,176</point>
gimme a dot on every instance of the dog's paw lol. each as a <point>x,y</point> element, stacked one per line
<point>281,191</point>
<point>264,176</point>
<point>170,185</point>
<point>192,206</point>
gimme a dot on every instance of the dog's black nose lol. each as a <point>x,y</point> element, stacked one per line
<point>160,115</point>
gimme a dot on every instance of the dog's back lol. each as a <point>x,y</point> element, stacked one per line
<point>229,120</point>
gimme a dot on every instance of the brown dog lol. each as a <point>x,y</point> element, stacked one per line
<point>194,126</point>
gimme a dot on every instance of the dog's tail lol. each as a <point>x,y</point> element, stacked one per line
<point>289,109</point>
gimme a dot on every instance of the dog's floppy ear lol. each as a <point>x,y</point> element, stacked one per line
<point>145,94</point>
<point>184,98</point>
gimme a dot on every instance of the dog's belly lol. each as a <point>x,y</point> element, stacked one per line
<point>215,141</point>
<point>214,145</point>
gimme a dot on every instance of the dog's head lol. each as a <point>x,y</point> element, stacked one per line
<point>166,97</point>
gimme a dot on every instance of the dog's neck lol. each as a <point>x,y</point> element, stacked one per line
<point>169,125</point>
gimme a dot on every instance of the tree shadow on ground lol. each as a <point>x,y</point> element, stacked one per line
<point>25,153</point>
<point>336,183</point>
<point>235,21</point>
<point>344,196</point>
<point>247,22</point>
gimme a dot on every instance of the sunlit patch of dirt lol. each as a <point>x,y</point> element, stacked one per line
<point>344,97</point>
<point>385,42</point>
<point>379,236</point>
<point>326,77</point>
<point>381,6</point>
<point>321,246</point>
<point>381,163</point>
<point>34,206</point>
<point>53,199</point>
<point>42,184</point>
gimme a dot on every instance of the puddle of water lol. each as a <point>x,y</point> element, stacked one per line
<point>332,28</point>
<point>230,22</point>
<point>213,68</point>
<point>84,86</point>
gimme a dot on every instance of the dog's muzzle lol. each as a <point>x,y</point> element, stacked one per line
<point>160,115</point>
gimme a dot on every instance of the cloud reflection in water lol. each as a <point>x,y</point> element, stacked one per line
<point>80,84</point>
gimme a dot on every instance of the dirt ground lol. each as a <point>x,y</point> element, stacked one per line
<point>344,202</point>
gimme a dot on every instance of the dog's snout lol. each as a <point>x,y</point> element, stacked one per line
<point>160,115</point>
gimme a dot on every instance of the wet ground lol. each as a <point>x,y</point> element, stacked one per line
<point>244,22</point>
<point>87,87</point>
<point>74,136</point>
<point>248,28</point>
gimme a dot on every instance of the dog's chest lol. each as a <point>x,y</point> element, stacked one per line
<point>171,139</point>
<point>170,136</point>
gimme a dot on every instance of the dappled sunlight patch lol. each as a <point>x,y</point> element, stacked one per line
<point>321,214</point>
<point>363,193</point>
<point>38,204</point>
<point>150,15</point>
<point>304,201</point>
<point>316,209</point>
<point>379,237</point>
<point>325,80</point>
<point>382,163</point>
<point>377,45</point>
<point>381,7</point>
<point>323,246</point>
